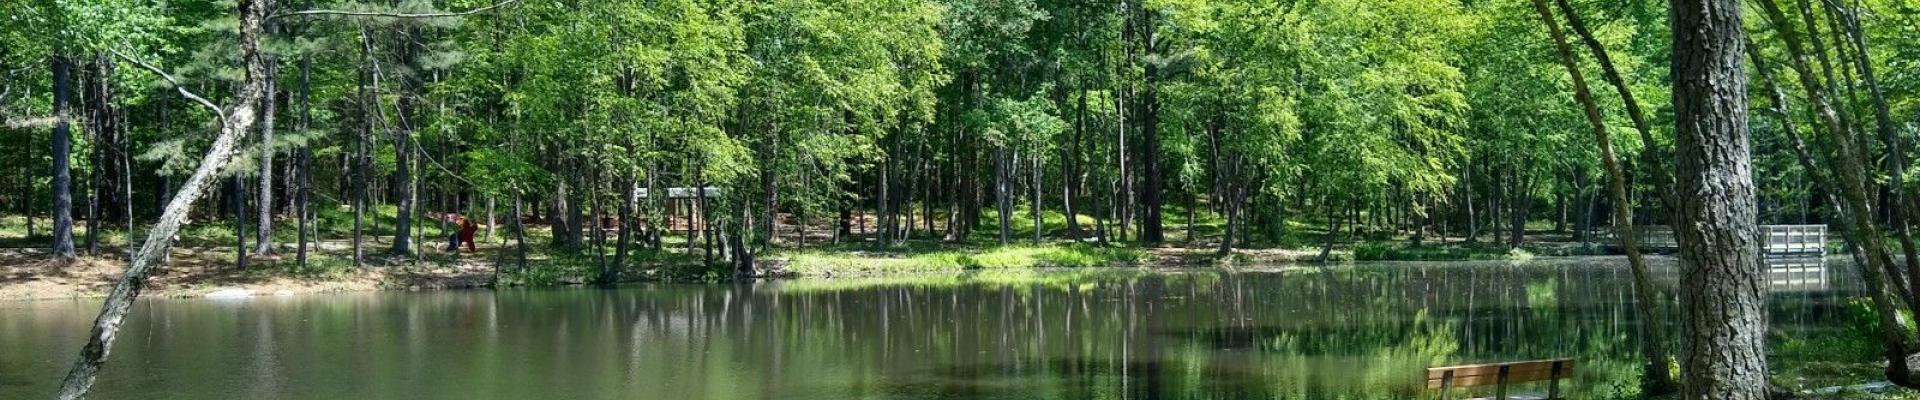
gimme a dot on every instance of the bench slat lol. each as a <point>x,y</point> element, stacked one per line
<point>1489,374</point>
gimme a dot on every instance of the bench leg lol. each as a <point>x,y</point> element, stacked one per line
<point>1500,392</point>
<point>1446,386</point>
<point>1553,382</point>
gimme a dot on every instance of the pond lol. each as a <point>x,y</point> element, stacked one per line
<point>1359,331</point>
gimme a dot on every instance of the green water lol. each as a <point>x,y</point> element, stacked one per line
<point>1351,332</point>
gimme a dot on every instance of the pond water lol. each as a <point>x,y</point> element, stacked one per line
<point>1354,332</point>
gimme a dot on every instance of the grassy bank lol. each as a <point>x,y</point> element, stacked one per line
<point>830,262</point>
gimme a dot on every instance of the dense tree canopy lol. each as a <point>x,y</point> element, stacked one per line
<point>1412,117</point>
<point>742,126</point>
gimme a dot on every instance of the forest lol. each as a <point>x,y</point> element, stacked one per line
<point>616,141</point>
<point>1272,123</point>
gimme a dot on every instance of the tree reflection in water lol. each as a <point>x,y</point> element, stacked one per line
<point>1302,333</point>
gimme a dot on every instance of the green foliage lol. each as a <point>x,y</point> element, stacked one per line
<point>994,258</point>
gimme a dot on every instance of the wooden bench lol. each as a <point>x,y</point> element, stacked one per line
<point>1500,375</point>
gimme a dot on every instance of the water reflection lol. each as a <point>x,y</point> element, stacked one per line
<point>1301,333</point>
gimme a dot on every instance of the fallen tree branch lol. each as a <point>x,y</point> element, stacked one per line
<point>380,14</point>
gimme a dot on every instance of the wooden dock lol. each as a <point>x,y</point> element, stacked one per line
<point>1778,239</point>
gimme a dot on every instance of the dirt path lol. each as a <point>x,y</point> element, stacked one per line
<point>29,274</point>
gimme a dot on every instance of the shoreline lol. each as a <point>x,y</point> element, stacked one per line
<point>26,275</point>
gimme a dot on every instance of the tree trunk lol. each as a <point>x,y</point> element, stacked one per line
<point>305,161</point>
<point>1724,315</point>
<point>403,147</point>
<point>1895,145</point>
<point>626,225</point>
<point>1473,221</point>
<point>884,200</point>
<point>1002,194</point>
<point>1654,372</point>
<point>1889,325</point>
<point>1069,175</point>
<point>96,118</point>
<point>263,238</point>
<point>236,124</point>
<point>62,157</point>
<point>364,152</point>
<point>1039,220</point>
<point>1151,231</point>
<point>1649,149</point>
<point>1522,208</point>
<point>598,218</point>
<point>1849,172</point>
<point>237,190</point>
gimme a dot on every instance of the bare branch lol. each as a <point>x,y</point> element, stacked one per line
<point>377,14</point>
<point>217,112</point>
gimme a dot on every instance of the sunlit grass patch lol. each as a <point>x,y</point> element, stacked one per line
<point>808,262</point>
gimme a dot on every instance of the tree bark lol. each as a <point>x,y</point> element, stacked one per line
<point>236,123</point>
<point>62,158</point>
<point>305,158</point>
<point>363,151</point>
<point>1002,193</point>
<point>1849,172</point>
<point>1896,160</point>
<point>1151,231</point>
<point>1649,149</point>
<point>1039,221</point>
<point>403,147</point>
<point>1654,371</point>
<point>1724,314</point>
<point>263,238</point>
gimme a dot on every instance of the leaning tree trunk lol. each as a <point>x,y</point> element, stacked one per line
<point>1724,314</point>
<point>1849,172</point>
<point>1649,149</point>
<point>1655,376</point>
<point>237,123</point>
<point>1892,334</point>
<point>1895,145</point>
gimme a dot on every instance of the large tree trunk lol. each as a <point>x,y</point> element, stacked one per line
<point>1724,313</point>
<point>403,147</point>
<point>1654,370</point>
<point>305,159</point>
<point>1069,175</point>
<point>1150,197</point>
<point>363,151</point>
<point>62,157</point>
<point>237,122</point>
<point>94,100</point>
<point>263,238</point>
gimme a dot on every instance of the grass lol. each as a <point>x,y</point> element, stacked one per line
<point>1072,280</point>
<point>1402,251</point>
<point>828,262</point>
<point>1840,355</point>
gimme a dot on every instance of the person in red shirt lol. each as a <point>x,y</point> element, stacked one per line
<point>467,228</point>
